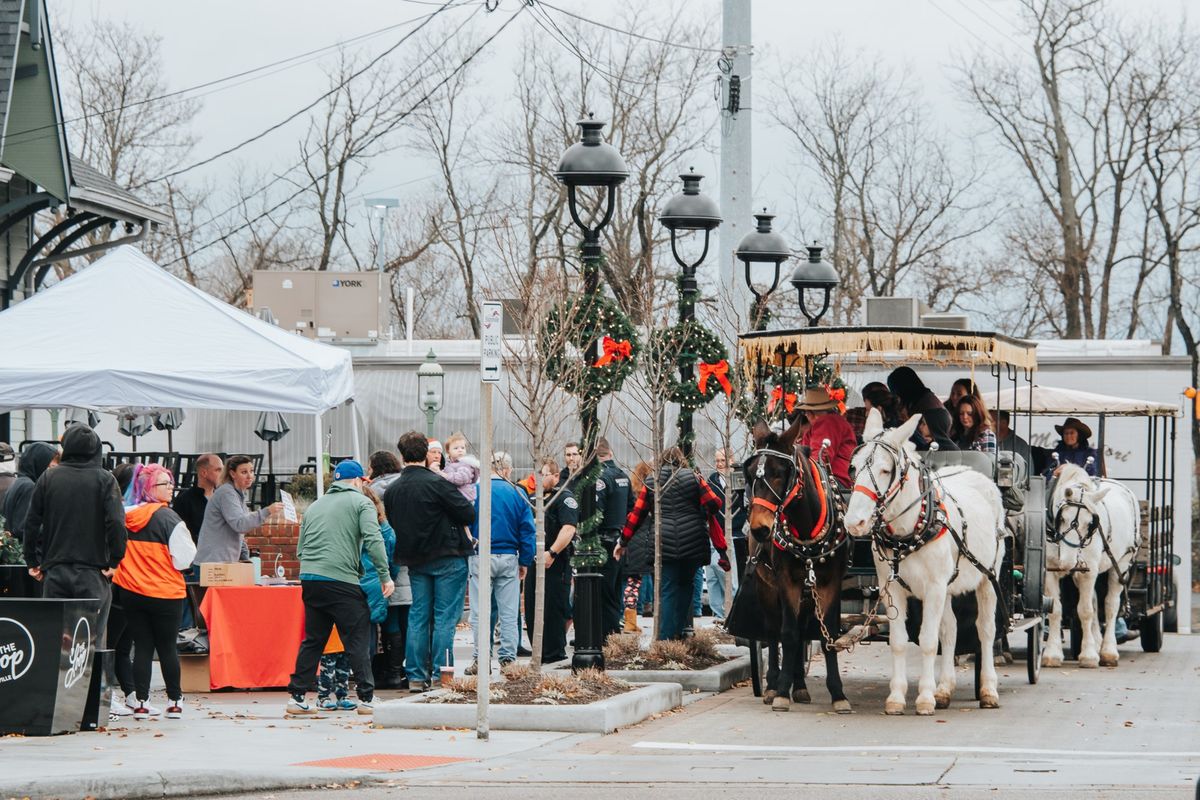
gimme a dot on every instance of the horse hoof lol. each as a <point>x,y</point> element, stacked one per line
<point>801,696</point>
<point>1088,662</point>
<point>781,703</point>
<point>1108,659</point>
<point>893,709</point>
<point>941,699</point>
<point>924,708</point>
<point>842,706</point>
<point>768,696</point>
<point>988,699</point>
<point>1051,661</point>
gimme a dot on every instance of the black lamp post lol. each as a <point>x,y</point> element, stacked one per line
<point>817,275</point>
<point>690,210</point>
<point>762,246</point>
<point>590,162</point>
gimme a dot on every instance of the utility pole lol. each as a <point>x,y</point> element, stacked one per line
<point>737,188</point>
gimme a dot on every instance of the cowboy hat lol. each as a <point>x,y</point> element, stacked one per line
<point>816,399</point>
<point>1071,422</point>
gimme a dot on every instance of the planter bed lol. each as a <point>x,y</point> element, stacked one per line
<point>716,678</point>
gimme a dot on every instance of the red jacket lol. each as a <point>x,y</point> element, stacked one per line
<point>842,442</point>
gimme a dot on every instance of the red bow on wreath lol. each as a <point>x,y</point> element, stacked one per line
<point>613,351</point>
<point>720,371</point>
<point>777,394</point>
<point>838,396</point>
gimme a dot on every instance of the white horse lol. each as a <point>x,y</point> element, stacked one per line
<point>936,535</point>
<point>1096,530</point>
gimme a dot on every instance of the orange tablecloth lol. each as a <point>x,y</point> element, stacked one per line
<point>254,633</point>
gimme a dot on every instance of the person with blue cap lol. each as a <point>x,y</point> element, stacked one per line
<point>336,530</point>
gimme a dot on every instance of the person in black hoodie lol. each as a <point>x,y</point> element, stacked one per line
<point>34,461</point>
<point>75,530</point>
<point>918,399</point>
<point>428,514</point>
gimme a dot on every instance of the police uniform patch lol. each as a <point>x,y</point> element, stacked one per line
<point>599,484</point>
<point>571,502</point>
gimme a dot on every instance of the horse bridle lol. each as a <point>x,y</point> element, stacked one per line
<point>818,547</point>
<point>881,498</point>
<point>1058,536</point>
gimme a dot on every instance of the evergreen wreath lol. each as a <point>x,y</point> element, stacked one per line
<point>755,405</point>
<point>580,321</point>
<point>691,344</point>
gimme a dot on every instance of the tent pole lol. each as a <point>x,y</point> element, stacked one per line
<point>320,462</point>
<point>354,432</point>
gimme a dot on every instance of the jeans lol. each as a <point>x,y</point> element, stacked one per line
<point>646,594</point>
<point>678,584</point>
<point>329,603</point>
<point>506,601</point>
<point>698,592</point>
<point>714,577</point>
<point>152,623</point>
<point>438,588</point>
<point>73,582</point>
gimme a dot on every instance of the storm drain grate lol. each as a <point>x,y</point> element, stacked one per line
<point>383,762</point>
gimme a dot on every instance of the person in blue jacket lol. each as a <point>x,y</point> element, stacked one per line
<point>513,540</point>
<point>1073,448</point>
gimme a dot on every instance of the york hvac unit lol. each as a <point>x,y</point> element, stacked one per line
<point>957,322</point>
<point>322,305</point>
<point>903,312</point>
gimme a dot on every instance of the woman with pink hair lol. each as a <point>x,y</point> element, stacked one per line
<point>149,586</point>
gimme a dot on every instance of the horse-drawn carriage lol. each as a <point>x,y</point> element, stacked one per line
<point>993,509</point>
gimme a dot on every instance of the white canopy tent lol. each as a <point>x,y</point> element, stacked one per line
<point>126,333</point>
<point>1052,401</point>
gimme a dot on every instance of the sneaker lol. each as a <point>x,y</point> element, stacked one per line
<point>418,688</point>
<point>505,663</point>
<point>298,706</point>
<point>472,668</point>
<point>118,707</point>
<point>175,709</point>
<point>327,704</point>
<point>144,709</point>
<point>365,707</point>
<point>346,704</point>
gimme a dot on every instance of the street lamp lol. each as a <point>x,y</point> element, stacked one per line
<point>814,274</point>
<point>430,380</point>
<point>381,205</point>
<point>590,162</point>
<point>690,210</point>
<point>762,246</point>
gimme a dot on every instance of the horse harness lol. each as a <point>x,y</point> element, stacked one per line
<point>1095,526</point>
<point>933,519</point>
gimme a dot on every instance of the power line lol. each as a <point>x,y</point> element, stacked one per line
<point>967,5</point>
<point>634,34</point>
<point>424,99</point>
<point>342,84</point>
<point>971,32</point>
<point>285,63</point>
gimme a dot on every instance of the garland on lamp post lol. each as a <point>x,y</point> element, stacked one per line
<point>680,348</point>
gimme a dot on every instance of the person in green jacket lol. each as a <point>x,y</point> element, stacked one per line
<point>337,529</point>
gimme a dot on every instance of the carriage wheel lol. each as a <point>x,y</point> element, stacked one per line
<point>1033,651</point>
<point>756,667</point>
<point>1152,632</point>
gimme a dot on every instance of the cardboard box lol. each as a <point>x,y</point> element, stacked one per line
<point>193,674</point>
<point>235,574</point>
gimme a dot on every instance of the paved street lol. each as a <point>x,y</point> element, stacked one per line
<point>1130,732</point>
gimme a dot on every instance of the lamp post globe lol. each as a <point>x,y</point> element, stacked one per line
<point>762,246</point>
<point>817,275</point>
<point>591,162</point>
<point>430,384</point>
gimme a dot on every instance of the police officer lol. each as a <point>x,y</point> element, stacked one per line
<point>562,518</point>
<point>615,499</point>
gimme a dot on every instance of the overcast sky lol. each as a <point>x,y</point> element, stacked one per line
<point>210,39</point>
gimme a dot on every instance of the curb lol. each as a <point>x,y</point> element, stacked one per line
<point>713,679</point>
<point>181,783</point>
<point>604,716</point>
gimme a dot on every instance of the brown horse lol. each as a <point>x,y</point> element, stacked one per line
<point>801,557</point>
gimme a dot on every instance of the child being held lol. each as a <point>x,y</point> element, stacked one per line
<point>461,469</point>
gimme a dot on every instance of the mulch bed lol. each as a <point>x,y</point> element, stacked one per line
<point>520,686</point>
<point>697,653</point>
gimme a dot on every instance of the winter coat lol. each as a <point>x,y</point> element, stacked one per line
<point>159,546</point>
<point>639,550</point>
<point>513,530</point>
<point>918,399</point>
<point>33,463</point>
<point>842,442</point>
<point>76,515</point>
<point>716,482</point>
<point>614,496</point>
<point>1073,455</point>
<point>464,474</point>
<point>685,505</point>
<point>428,515</point>
<point>369,581</point>
<point>337,529</point>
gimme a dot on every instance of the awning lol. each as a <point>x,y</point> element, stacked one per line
<point>1054,402</point>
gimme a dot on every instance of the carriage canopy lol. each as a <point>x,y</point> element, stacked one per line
<point>1056,402</point>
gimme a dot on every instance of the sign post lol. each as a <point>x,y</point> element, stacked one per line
<point>491,358</point>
